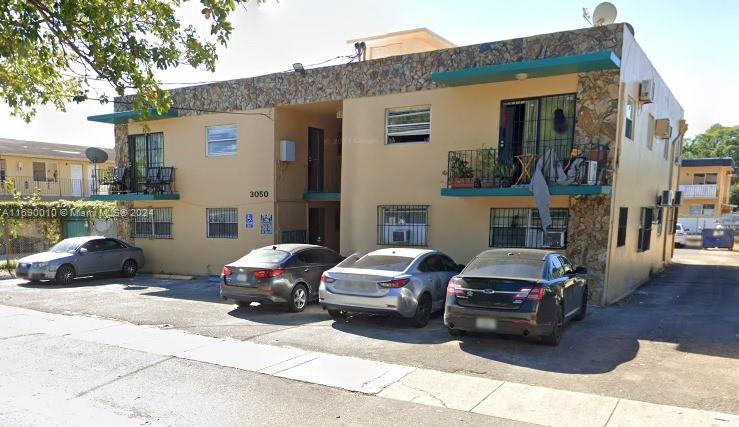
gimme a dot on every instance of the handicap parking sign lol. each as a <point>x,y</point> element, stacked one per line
<point>249,221</point>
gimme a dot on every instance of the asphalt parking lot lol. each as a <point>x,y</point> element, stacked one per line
<point>674,341</point>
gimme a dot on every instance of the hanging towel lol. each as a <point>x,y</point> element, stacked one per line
<point>539,187</point>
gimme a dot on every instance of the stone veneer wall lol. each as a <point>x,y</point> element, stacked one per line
<point>121,160</point>
<point>597,122</point>
<point>396,74</point>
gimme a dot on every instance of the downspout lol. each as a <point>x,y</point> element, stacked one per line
<point>616,162</point>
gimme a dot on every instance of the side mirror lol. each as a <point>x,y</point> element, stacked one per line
<point>82,251</point>
<point>581,270</point>
<point>460,267</point>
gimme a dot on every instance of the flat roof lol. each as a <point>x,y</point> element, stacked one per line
<point>22,148</point>
<point>419,30</point>
<point>708,161</point>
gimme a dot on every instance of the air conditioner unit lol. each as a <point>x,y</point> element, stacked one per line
<point>401,236</point>
<point>662,129</point>
<point>646,91</point>
<point>677,199</point>
<point>664,198</point>
<point>554,239</point>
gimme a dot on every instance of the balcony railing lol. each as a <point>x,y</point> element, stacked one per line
<point>50,188</point>
<point>565,165</point>
<point>699,191</point>
<point>128,180</point>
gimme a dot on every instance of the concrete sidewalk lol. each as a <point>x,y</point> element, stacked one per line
<point>508,400</point>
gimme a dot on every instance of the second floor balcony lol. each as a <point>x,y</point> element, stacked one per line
<point>568,170</point>
<point>136,183</point>
<point>48,189</point>
<point>699,191</point>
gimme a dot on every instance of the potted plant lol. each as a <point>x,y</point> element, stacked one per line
<point>503,174</point>
<point>460,173</point>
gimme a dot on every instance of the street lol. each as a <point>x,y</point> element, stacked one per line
<point>674,342</point>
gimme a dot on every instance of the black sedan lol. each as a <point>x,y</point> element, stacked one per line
<point>517,291</point>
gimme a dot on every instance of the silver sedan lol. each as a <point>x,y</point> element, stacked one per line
<point>81,256</point>
<point>407,282</point>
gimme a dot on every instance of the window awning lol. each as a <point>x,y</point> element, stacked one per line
<point>124,116</point>
<point>606,60</point>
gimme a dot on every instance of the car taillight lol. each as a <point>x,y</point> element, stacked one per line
<point>454,288</point>
<point>395,283</point>
<point>226,271</point>
<point>530,294</point>
<point>268,274</point>
<point>326,279</point>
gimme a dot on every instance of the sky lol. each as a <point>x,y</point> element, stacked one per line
<point>693,45</point>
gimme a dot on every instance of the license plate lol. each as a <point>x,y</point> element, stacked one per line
<point>486,323</point>
<point>241,277</point>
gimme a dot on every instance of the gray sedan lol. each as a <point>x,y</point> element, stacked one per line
<point>407,282</point>
<point>287,273</point>
<point>81,256</point>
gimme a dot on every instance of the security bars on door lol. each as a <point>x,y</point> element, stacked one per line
<point>223,223</point>
<point>155,224</point>
<point>521,228</point>
<point>402,225</point>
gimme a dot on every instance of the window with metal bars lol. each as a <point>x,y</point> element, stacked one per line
<point>536,126</point>
<point>410,124</point>
<point>145,151</point>
<point>223,223</point>
<point>402,225</point>
<point>623,218</point>
<point>155,224</point>
<point>645,229</point>
<point>521,228</point>
<point>294,236</point>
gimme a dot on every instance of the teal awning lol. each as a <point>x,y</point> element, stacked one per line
<point>130,197</point>
<point>316,196</point>
<point>124,116</point>
<point>606,60</point>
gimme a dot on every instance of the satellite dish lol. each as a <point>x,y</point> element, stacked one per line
<point>96,155</point>
<point>604,14</point>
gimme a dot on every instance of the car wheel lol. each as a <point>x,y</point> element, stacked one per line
<point>243,304</point>
<point>337,314</point>
<point>130,268</point>
<point>456,332</point>
<point>583,306</point>
<point>64,274</point>
<point>423,312</point>
<point>556,335</point>
<point>298,299</point>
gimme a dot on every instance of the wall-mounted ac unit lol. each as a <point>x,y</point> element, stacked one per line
<point>554,239</point>
<point>662,129</point>
<point>664,198</point>
<point>646,91</point>
<point>677,198</point>
<point>401,236</point>
<point>287,150</point>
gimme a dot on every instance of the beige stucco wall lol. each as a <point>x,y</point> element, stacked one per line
<point>375,174</point>
<point>211,182</point>
<point>292,123</point>
<point>640,175</point>
<point>721,202</point>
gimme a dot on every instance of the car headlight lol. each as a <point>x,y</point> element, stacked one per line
<point>40,264</point>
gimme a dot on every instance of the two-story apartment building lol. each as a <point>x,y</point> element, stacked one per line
<point>705,184</point>
<point>56,171</point>
<point>434,149</point>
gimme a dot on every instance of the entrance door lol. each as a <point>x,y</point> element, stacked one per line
<point>75,172</point>
<point>315,159</point>
<point>512,131</point>
<point>144,151</point>
<point>317,226</point>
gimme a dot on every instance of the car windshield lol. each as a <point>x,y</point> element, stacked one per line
<point>506,267</point>
<point>66,246</point>
<point>378,262</point>
<point>265,256</point>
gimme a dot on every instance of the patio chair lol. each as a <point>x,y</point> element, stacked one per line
<point>166,178</point>
<point>153,182</point>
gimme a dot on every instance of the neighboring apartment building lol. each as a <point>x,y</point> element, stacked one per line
<point>57,171</point>
<point>705,184</point>
<point>432,149</point>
